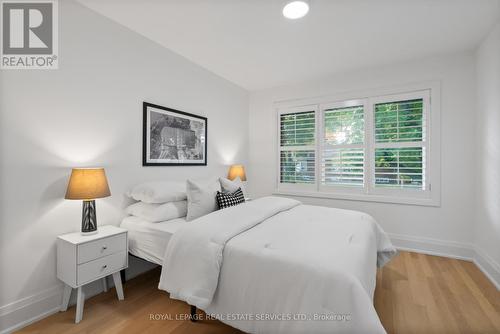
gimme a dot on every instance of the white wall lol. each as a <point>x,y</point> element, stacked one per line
<point>451,223</point>
<point>488,149</point>
<point>87,113</point>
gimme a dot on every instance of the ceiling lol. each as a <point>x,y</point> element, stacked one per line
<point>251,44</point>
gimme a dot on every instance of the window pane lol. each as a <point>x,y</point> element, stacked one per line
<point>297,167</point>
<point>297,129</point>
<point>400,167</point>
<point>342,167</point>
<point>344,125</point>
<point>399,121</point>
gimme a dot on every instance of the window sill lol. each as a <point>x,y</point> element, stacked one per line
<point>433,202</point>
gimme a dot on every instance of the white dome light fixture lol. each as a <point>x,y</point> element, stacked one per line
<point>295,9</point>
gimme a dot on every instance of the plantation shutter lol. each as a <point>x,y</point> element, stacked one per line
<point>342,161</point>
<point>374,148</point>
<point>297,147</point>
<point>400,144</point>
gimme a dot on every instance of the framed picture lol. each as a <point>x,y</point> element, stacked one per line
<point>172,137</point>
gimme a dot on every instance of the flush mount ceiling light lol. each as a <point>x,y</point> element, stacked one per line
<point>295,9</point>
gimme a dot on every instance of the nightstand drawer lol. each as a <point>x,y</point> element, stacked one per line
<point>92,270</point>
<point>101,247</point>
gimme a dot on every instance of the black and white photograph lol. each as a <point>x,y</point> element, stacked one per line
<point>173,137</point>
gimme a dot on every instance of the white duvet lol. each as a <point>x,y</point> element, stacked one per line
<point>274,265</point>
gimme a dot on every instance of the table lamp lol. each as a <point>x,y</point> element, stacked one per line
<point>87,184</point>
<point>235,171</point>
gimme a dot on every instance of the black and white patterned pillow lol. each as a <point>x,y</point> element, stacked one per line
<point>225,200</point>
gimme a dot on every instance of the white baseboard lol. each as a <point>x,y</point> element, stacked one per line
<point>28,310</point>
<point>488,266</point>
<point>36,318</point>
<point>451,249</point>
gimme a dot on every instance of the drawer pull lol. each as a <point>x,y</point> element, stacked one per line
<point>105,266</point>
<point>104,247</point>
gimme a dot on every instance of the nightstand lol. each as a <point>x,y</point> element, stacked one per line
<point>83,259</point>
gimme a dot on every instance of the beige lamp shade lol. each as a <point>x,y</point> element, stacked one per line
<point>235,171</point>
<point>87,184</point>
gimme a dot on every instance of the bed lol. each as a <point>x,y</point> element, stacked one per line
<point>274,265</point>
<point>148,240</point>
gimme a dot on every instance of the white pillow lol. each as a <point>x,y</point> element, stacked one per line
<point>158,212</point>
<point>159,192</point>
<point>201,198</point>
<point>229,186</point>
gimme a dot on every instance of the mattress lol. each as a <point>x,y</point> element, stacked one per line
<point>149,240</point>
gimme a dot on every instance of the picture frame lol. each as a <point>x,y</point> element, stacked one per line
<point>172,137</point>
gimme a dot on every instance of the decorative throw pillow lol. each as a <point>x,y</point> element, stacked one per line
<point>225,200</point>
<point>229,186</point>
<point>201,198</point>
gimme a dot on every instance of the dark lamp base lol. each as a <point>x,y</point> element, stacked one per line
<point>89,219</point>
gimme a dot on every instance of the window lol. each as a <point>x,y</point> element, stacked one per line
<point>399,144</point>
<point>342,160</point>
<point>376,148</point>
<point>297,147</point>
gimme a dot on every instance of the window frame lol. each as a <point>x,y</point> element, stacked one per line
<point>424,144</point>
<point>321,134</point>
<point>430,196</point>
<point>297,186</point>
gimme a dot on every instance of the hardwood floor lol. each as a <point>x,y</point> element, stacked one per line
<point>429,294</point>
<point>415,294</point>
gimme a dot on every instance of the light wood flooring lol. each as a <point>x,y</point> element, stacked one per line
<point>415,294</point>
